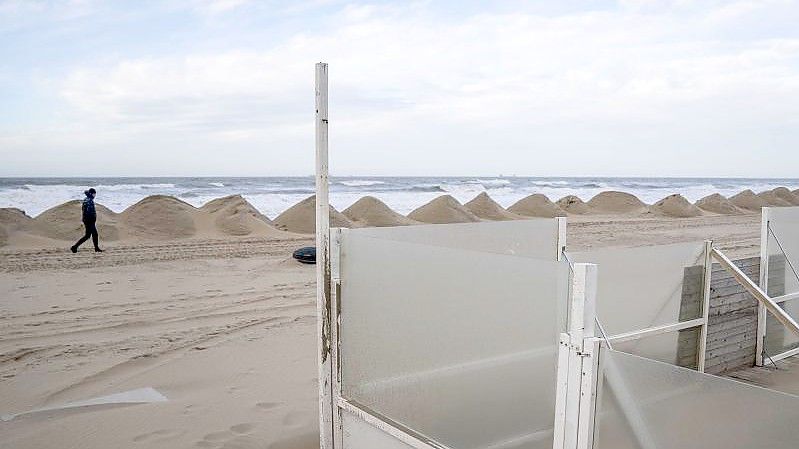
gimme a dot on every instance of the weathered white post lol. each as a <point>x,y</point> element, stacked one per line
<point>323,264</point>
<point>761,309</point>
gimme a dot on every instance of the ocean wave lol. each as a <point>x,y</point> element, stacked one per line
<point>493,182</point>
<point>360,183</point>
<point>216,184</point>
<point>427,188</point>
<point>121,187</point>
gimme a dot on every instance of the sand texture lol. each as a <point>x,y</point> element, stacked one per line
<point>444,209</point>
<point>301,218</point>
<point>370,211</point>
<point>617,203</point>
<point>486,208</point>
<point>748,200</point>
<point>675,206</point>
<point>572,205</point>
<point>536,205</point>
<point>718,204</point>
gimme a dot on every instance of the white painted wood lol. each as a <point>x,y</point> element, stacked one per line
<point>656,330</point>
<point>404,435</point>
<point>706,278</point>
<point>785,355</point>
<point>588,393</point>
<point>335,368</point>
<point>785,298</point>
<point>761,308</point>
<point>581,326</point>
<point>323,284</point>
<point>561,240</point>
<point>757,292</point>
<point>561,390</point>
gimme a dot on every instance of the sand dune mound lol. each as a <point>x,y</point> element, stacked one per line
<point>536,205</point>
<point>233,215</point>
<point>572,204</point>
<point>717,204</point>
<point>771,199</point>
<point>11,220</point>
<point>748,200</point>
<point>64,222</point>
<point>301,218</point>
<point>612,202</point>
<point>11,216</point>
<point>796,192</point>
<point>486,208</point>
<point>444,209</point>
<point>675,206</point>
<point>370,211</point>
<point>160,217</point>
<point>786,195</point>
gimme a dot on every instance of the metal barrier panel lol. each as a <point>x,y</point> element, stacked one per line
<point>650,299</point>
<point>456,345</point>
<point>647,404</point>
<point>781,277</point>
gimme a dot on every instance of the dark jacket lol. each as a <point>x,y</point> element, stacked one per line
<point>89,213</point>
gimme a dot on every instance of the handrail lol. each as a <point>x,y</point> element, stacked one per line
<point>757,292</point>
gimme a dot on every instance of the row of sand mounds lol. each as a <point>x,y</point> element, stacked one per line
<point>155,217</point>
<point>165,218</point>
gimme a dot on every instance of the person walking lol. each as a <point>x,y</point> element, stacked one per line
<point>89,221</point>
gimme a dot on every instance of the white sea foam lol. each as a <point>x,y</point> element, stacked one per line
<point>360,183</point>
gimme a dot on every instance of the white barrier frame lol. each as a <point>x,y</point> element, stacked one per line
<point>341,404</point>
<point>701,322</point>
<point>760,351</point>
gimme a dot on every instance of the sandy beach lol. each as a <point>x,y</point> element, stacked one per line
<point>224,328</point>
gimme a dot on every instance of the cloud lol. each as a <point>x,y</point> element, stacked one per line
<point>612,74</point>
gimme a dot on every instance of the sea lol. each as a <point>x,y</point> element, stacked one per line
<point>273,195</point>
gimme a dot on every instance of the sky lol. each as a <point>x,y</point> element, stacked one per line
<point>536,88</point>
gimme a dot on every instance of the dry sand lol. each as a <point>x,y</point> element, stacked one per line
<point>444,209</point>
<point>617,203</point>
<point>536,205</point>
<point>301,218</point>
<point>718,204</point>
<point>486,208</point>
<point>772,199</point>
<point>748,200</point>
<point>572,204</point>
<point>370,211</point>
<point>786,195</point>
<point>675,206</point>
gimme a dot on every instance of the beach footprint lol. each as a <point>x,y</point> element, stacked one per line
<point>157,436</point>
<point>265,406</point>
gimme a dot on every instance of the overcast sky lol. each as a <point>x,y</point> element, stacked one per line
<point>570,88</point>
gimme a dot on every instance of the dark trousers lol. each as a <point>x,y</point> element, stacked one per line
<point>91,231</point>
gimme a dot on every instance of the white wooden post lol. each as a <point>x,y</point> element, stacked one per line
<point>705,305</point>
<point>323,284</point>
<point>761,308</point>
<point>577,373</point>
